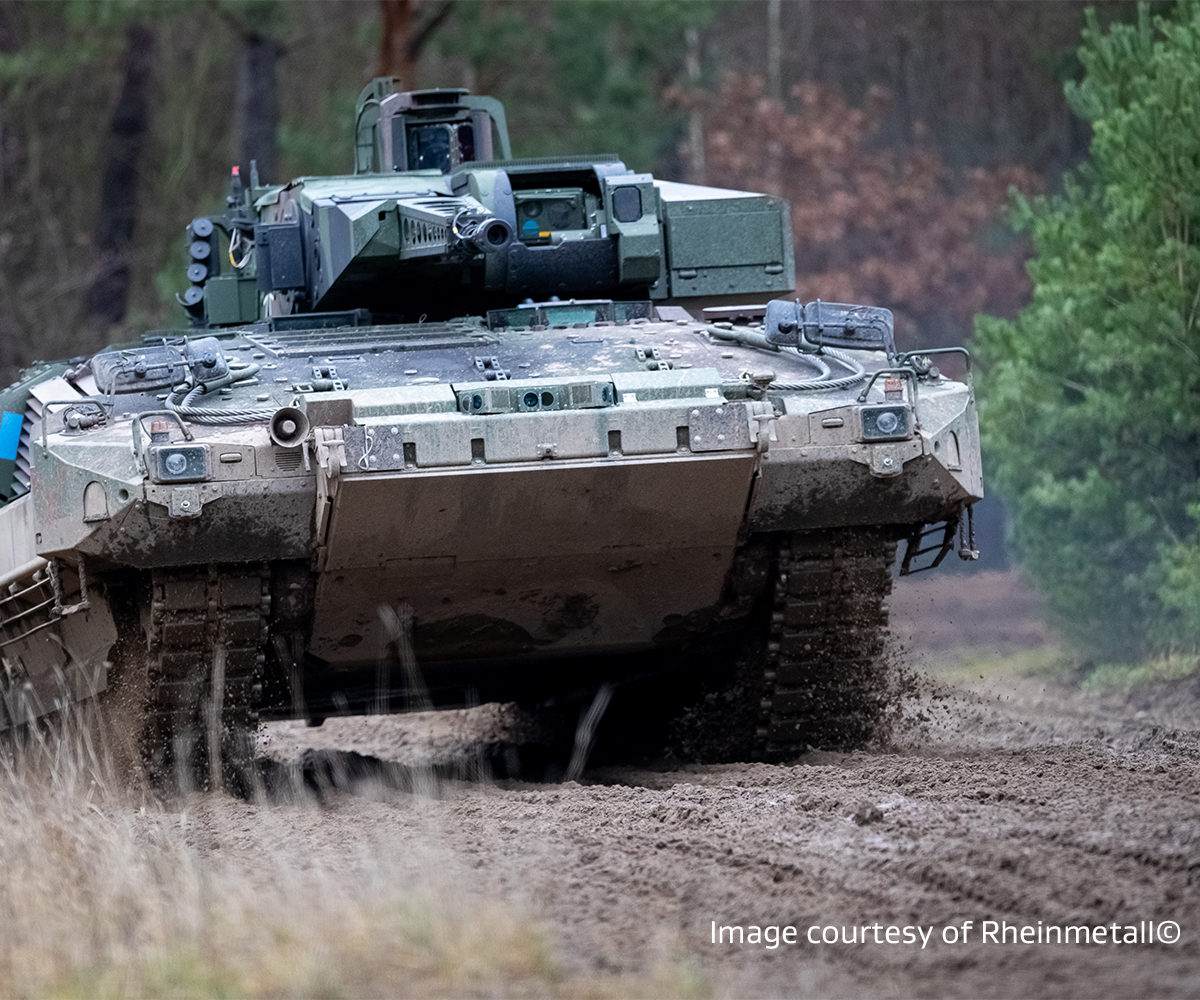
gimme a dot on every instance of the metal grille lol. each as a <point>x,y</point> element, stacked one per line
<point>369,339</point>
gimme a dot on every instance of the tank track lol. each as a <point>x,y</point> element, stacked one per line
<point>207,641</point>
<point>823,682</point>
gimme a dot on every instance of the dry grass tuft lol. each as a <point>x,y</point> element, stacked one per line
<point>105,892</point>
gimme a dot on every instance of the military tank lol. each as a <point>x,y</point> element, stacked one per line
<point>458,428</point>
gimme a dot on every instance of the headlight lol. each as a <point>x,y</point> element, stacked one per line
<point>885,423</point>
<point>179,463</point>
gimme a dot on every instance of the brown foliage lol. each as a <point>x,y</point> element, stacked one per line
<point>878,222</point>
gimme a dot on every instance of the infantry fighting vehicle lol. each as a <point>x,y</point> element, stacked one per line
<point>458,428</point>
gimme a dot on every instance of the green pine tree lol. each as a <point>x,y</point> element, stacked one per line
<point>1091,401</point>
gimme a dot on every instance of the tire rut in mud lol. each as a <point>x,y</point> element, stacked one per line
<point>1094,822</point>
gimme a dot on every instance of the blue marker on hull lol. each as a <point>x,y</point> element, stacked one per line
<point>10,435</point>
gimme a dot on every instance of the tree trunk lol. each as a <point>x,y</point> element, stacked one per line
<point>10,146</point>
<point>402,40</point>
<point>395,32</point>
<point>775,50</point>
<point>108,297</point>
<point>696,172</point>
<point>258,106</point>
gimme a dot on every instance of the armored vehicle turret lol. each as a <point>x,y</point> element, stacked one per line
<point>430,225</point>
<point>457,427</point>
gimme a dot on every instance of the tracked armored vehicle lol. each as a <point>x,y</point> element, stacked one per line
<point>458,427</point>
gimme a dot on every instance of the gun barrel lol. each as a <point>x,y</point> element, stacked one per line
<point>450,226</point>
<point>482,230</point>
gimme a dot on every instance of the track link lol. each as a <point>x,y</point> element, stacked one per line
<point>208,634</point>
<point>823,683</point>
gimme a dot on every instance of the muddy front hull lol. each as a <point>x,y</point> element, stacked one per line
<point>507,565</point>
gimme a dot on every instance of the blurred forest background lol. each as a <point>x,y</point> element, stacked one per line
<point>895,129</point>
<point>903,135</point>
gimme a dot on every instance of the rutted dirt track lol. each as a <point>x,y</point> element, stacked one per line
<point>1008,800</point>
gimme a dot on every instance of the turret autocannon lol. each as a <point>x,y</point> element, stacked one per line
<point>430,224</point>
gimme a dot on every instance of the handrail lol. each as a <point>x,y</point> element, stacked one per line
<point>22,571</point>
<point>21,593</point>
<point>903,358</point>
<point>138,430</point>
<point>907,355</point>
<point>907,373</point>
<point>63,402</point>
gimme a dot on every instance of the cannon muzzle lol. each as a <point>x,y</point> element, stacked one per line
<point>481,232</point>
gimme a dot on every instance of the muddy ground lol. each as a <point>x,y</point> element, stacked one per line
<point>1010,798</point>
